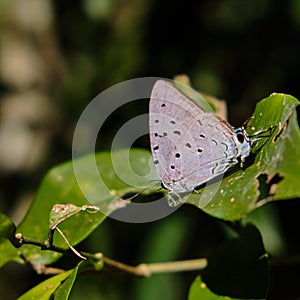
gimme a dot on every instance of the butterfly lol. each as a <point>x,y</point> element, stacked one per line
<point>190,145</point>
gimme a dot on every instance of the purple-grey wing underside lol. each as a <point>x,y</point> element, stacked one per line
<point>189,145</point>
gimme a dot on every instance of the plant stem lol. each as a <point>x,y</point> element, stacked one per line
<point>143,270</point>
<point>146,270</point>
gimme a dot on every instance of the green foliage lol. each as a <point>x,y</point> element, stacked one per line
<point>199,290</point>
<point>60,186</point>
<point>270,176</point>
<point>238,268</point>
<point>7,227</point>
<point>59,285</point>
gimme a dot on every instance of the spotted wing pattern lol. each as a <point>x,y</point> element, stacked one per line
<point>189,145</point>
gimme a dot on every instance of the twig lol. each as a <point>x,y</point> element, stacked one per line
<point>43,245</point>
<point>143,270</point>
<point>41,269</point>
<point>146,270</point>
<point>121,266</point>
<point>176,266</point>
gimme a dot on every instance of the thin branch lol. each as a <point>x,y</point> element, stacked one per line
<point>43,245</point>
<point>121,266</point>
<point>41,269</point>
<point>176,266</point>
<point>146,270</point>
<point>143,270</point>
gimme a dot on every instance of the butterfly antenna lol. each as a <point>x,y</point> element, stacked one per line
<point>258,135</point>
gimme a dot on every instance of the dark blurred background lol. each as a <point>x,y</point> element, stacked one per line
<point>56,56</point>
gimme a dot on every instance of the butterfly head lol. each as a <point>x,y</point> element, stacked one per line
<point>243,143</point>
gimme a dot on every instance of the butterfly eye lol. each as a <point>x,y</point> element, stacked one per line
<point>241,138</point>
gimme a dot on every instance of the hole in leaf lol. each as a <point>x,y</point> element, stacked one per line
<point>267,186</point>
<point>273,183</point>
<point>263,187</point>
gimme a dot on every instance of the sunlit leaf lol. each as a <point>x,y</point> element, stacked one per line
<point>60,186</point>
<point>269,174</point>
<point>199,291</point>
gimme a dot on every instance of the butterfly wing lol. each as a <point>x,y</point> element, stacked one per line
<point>189,145</point>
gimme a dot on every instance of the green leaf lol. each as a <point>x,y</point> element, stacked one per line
<point>60,186</point>
<point>199,291</point>
<point>239,267</point>
<point>270,173</point>
<point>7,227</point>
<point>47,288</point>
<point>61,212</point>
<point>64,290</point>
<point>57,287</point>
